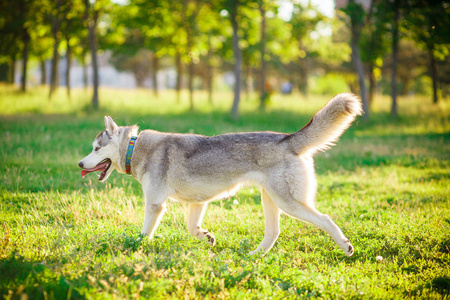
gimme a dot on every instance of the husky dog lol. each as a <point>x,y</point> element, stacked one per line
<point>198,169</point>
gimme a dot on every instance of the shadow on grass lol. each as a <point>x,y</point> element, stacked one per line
<point>21,277</point>
<point>440,285</point>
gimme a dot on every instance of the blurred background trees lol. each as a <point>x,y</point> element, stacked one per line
<point>254,48</point>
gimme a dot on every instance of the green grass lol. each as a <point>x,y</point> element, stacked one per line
<point>386,184</point>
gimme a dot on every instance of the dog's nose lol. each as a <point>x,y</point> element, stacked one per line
<point>80,164</point>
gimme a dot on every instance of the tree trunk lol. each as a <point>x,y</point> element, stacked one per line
<point>43,71</point>
<point>69,62</point>
<point>434,75</point>
<point>54,67</point>
<point>210,76</point>
<point>179,70</point>
<point>190,70</point>
<point>12,69</point>
<point>406,84</point>
<point>85,69</point>
<point>95,79</point>
<point>356,58</point>
<point>245,80</point>
<point>303,70</point>
<point>26,39</point>
<point>191,84</point>
<point>155,68</point>
<point>357,62</point>
<point>57,80</point>
<point>139,77</point>
<point>262,90</point>
<point>237,63</point>
<point>394,59</point>
<point>56,24</point>
<point>92,24</point>
<point>371,83</point>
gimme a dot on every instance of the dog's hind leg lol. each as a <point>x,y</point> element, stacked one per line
<point>272,216</point>
<point>311,215</point>
<point>293,189</point>
<point>195,217</point>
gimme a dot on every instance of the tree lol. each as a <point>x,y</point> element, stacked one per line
<point>137,38</point>
<point>358,18</point>
<point>374,43</point>
<point>58,12</point>
<point>411,68</point>
<point>210,75</point>
<point>173,29</point>
<point>15,36</point>
<point>250,45</point>
<point>41,44</point>
<point>211,31</point>
<point>72,29</point>
<point>429,26</point>
<point>165,32</point>
<point>9,43</point>
<point>233,6</point>
<point>263,95</point>
<point>126,40</point>
<point>138,64</point>
<point>93,11</point>
<point>395,39</point>
<point>26,40</point>
<point>190,10</point>
<point>304,21</point>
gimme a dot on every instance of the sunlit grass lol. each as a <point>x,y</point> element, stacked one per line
<point>386,184</point>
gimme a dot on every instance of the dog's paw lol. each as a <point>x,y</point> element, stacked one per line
<point>258,250</point>
<point>203,235</point>
<point>350,250</point>
<point>253,252</point>
<point>211,240</point>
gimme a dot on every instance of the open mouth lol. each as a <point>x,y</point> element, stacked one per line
<point>101,166</point>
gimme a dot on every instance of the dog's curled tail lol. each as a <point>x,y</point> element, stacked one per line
<point>327,125</point>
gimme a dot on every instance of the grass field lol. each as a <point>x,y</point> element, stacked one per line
<point>386,184</point>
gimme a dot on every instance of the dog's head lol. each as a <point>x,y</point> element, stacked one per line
<point>105,156</point>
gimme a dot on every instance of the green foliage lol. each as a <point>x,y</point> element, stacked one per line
<point>356,12</point>
<point>428,23</point>
<point>375,37</point>
<point>386,184</point>
<point>13,23</point>
<point>329,84</point>
<point>198,33</point>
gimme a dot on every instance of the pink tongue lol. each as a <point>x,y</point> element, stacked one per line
<point>99,167</point>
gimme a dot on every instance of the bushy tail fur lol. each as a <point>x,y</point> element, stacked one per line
<point>327,125</point>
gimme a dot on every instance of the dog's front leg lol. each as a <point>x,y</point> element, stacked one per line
<point>195,217</point>
<point>152,218</point>
<point>155,206</point>
<point>272,215</point>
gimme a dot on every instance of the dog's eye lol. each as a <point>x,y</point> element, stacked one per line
<point>97,148</point>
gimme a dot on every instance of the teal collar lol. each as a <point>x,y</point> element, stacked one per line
<point>130,154</point>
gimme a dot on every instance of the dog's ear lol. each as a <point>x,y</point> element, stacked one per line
<point>111,126</point>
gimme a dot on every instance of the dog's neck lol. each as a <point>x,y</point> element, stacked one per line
<point>126,134</point>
